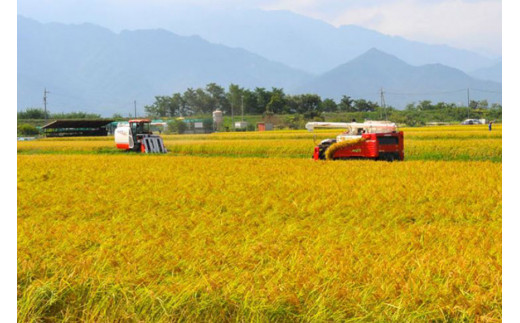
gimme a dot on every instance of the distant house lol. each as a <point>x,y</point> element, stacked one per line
<point>264,126</point>
<point>241,124</point>
<point>197,126</point>
<point>473,121</point>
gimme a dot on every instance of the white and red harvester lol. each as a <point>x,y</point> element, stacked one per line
<point>137,136</point>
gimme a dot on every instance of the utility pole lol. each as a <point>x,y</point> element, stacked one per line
<point>232,116</point>
<point>242,98</point>
<point>468,104</point>
<point>135,109</point>
<point>383,104</point>
<point>45,103</point>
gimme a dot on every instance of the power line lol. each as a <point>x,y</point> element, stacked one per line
<point>487,91</point>
<point>441,92</point>
<point>426,93</point>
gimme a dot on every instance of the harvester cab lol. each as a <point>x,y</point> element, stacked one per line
<point>377,140</point>
<point>137,136</point>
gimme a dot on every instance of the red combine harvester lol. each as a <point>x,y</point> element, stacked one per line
<point>137,136</point>
<point>377,140</point>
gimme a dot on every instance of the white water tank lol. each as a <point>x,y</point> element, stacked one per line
<point>217,118</point>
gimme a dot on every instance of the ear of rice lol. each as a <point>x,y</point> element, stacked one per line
<point>329,154</point>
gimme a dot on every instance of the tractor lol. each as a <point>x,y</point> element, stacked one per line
<point>376,140</point>
<point>137,136</point>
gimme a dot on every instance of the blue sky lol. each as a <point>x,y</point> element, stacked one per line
<point>470,24</point>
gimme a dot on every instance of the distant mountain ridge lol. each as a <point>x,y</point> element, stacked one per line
<point>368,74</point>
<point>298,41</point>
<point>90,68</point>
<point>86,67</point>
<point>492,73</point>
<point>311,44</point>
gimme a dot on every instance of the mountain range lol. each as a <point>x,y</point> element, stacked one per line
<point>293,39</point>
<point>90,68</point>
<point>492,73</point>
<point>310,44</point>
<point>401,83</point>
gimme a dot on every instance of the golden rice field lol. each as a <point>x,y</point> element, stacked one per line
<point>428,143</point>
<point>106,237</point>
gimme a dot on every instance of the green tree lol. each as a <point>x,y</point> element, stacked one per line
<point>311,103</point>
<point>190,100</point>
<point>178,106</point>
<point>277,102</point>
<point>292,103</point>
<point>346,104</point>
<point>410,107</point>
<point>294,121</point>
<point>329,105</point>
<point>177,126</point>
<point>234,97</point>
<point>75,115</point>
<point>308,104</point>
<point>217,98</point>
<point>250,102</point>
<point>426,105</point>
<point>27,130</point>
<point>160,108</point>
<point>204,103</point>
<point>363,105</point>
<point>483,104</point>
<point>262,99</point>
<point>32,113</point>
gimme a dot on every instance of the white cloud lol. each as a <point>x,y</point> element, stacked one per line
<point>470,24</point>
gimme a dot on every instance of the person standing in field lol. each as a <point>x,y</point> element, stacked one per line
<point>489,126</point>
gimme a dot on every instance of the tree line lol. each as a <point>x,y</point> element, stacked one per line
<point>297,109</point>
<point>36,113</point>
<point>237,100</point>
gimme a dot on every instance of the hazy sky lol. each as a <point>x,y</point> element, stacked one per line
<point>469,24</point>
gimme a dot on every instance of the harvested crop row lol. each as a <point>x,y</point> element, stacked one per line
<point>449,149</point>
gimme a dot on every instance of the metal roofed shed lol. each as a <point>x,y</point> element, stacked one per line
<point>77,128</point>
<point>264,126</point>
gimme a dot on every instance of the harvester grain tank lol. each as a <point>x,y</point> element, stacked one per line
<point>377,140</point>
<point>137,136</point>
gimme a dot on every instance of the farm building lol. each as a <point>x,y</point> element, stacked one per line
<point>76,128</point>
<point>197,126</point>
<point>157,125</point>
<point>264,126</point>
